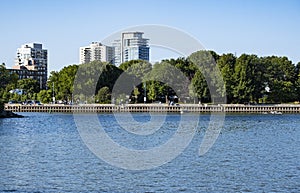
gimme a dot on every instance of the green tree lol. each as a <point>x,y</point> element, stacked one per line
<point>226,63</point>
<point>63,82</point>
<point>250,78</point>
<point>91,77</point>
<point>184,65</point>
<point>45,96</point>
<point>169,81</point>
<point>199,88</point>
<point>282,78</point>
<point>135,73</point>
<point>136,93</point>
<point>206,64</point>
<point>151,91</point>
<point>297,83</point>
<point>4,76</point>
<point>103,96</point>
<point>29,85</point>
<point>8,82</point>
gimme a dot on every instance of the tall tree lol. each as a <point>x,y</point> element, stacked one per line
<point>30,86</point>
<point>281,79</point>
<point>249,75</point>
<point>297,83</point>
<point>199,87</point>
<point>226,63</point>
<point>184,65</point>
<point>91,77</point>
<point>45,96</point>
<point>133,77</point>
<point>206,64</point>
<point>169,80</point>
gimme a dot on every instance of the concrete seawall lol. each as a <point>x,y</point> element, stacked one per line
<point>98,108</point>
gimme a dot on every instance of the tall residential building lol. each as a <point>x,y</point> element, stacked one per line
<point>117,45</point>
<point>132,46</point>
<point>96,51</point>
<point>32,62</point>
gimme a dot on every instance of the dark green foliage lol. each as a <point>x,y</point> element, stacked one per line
<point>204,75</point>
<point>45,96</point>
<point>61,83</point>
<point>4,76</point>
<point>226,64</point>
<point>93,76</point>
<point>282,79</point>
<point>7,81</point>
<point>205,61</point>
<point>249,75</point>
<point>103,96</point>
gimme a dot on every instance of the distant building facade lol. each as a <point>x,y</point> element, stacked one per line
<point>96,51</point>
<point>131,46</point>
<point>32,62</point>
<point>117,58</point>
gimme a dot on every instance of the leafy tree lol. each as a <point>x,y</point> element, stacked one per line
<point>297,83</point>
<point>282,77</point>
<point>135,73</point>
<point>136,93</point>
<point>249,76</point>
<point>63,83</point>
<point>184,65</point>
<point>91,77</point>
<point>108,76</point>
<point>103,96</point>
<point>45,96</point>
<point>206,64</point>
<point>169,81</point>
<point>8,82</point>
<point>4,76</point>
<point>151,90</point>
<point>199,87</point>
<point>226,63</point>
<point>29,85</point>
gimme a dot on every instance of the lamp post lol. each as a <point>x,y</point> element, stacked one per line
<point>145,98</point>
<point>53,96</point>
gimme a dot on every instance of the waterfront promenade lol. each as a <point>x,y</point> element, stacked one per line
<point>181,108</point>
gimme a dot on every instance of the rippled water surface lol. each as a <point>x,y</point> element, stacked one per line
<point>254,153</point>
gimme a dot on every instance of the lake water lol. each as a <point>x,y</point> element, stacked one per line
<point>253,153</point>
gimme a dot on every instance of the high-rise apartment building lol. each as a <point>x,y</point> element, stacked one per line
<point>117,58</point>
<point>32,62</point>
<point>96,51</point>
<point>131,46</point>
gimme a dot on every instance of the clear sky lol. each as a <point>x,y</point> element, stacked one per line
<point>259,27</point>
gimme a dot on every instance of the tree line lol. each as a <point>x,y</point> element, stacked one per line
<point>197,78</point>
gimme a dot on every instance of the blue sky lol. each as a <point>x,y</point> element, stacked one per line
<point>237,26</point>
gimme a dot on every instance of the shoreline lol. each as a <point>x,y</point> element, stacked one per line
<point>163,108</point>
<point>9,114</point>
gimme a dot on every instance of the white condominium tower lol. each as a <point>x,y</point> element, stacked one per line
<point>132,46</point>
<point>32,55</point>
<point>96,51</point>
<point>32,62</point>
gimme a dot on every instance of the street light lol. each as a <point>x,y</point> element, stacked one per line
<point>53,96</point>
<point>145,98</point>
